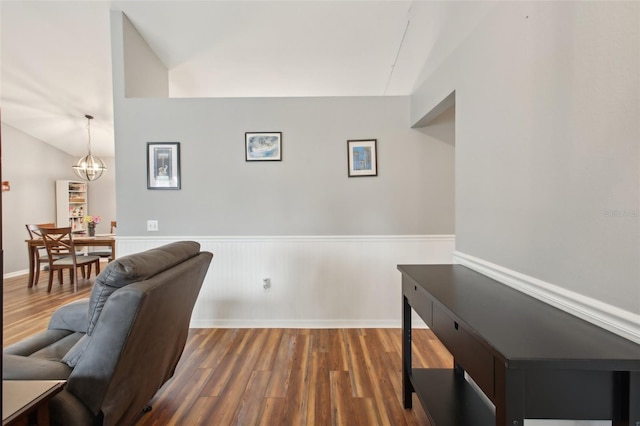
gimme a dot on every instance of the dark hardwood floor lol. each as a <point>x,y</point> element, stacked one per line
<point>262,376</point>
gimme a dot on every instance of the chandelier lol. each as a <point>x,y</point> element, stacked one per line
<point>89,167</point>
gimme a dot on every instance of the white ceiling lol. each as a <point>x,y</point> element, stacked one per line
<point>56,55</point>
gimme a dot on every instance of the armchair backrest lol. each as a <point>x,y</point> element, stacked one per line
<point>138,337</point>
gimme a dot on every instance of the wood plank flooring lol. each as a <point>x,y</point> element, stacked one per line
<point>262,376</point>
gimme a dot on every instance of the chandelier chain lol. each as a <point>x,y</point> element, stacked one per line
<point>89,118</point>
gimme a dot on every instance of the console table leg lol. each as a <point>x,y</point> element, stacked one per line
<point>407,387</point>
<point>457,368</point>
<point>509,397</point>
<point>634,398</point>
<point>626,403</point>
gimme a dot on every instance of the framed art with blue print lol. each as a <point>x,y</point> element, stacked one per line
<point>362,157</point>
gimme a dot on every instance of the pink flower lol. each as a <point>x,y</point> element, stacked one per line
<point>92,219</point>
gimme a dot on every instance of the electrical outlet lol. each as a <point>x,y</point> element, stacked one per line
<point>152,225</point>
<point>266,284</point>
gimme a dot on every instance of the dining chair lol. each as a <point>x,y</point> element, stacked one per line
<point>61,254</point>
<point>39,255</point>
<point>107,251</point>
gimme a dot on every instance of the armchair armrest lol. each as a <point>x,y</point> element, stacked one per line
<point>72,316</point>
<point>16,367</point>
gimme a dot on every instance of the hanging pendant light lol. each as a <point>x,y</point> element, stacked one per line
<point>89,167</point>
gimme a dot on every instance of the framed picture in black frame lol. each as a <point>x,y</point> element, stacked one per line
<point>263,146</point>
<point>362,157</point>
<point>163,165</point>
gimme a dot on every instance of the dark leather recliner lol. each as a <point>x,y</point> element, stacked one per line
<point>117,348</point>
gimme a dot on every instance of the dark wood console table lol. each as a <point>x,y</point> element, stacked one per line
<point>530,360</point>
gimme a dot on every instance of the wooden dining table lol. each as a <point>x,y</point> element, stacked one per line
<point>78,241</point>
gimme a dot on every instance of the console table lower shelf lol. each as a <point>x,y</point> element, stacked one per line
<point>449,399</point>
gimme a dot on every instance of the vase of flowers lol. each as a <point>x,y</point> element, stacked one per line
<point>92,221</point>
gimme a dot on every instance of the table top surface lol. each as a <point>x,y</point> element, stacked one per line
<point>109,237</point>
<point>519,328</point>
<point>20,395</point>
<point>80,238</point>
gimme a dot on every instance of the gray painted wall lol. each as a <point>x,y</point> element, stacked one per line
<point>307,193</point>
<point>146,75</point>
<point>32,167</point>
<point>547,151</point>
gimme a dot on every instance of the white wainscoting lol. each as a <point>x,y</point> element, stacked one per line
<point>317,281</point>
<point>616,320</point>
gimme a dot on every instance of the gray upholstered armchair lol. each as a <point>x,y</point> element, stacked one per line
<point>117,348</point>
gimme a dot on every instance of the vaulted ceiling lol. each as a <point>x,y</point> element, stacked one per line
<point>56,55</point>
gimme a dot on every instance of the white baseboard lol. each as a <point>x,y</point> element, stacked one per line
<point>284,323</point>
<point>15,274</point>
<point>312,323</point>
<point>609,317</point>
